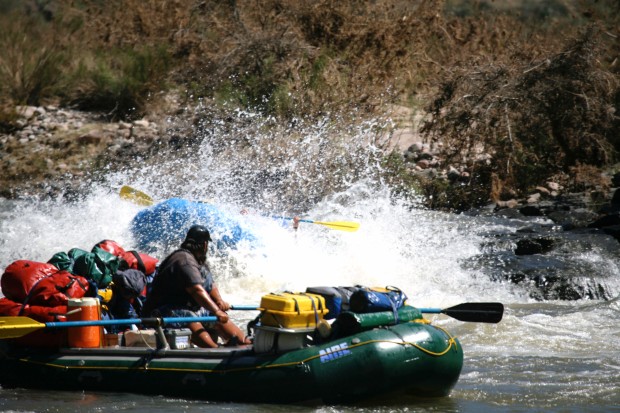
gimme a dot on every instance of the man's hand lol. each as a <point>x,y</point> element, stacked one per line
<point>223,305</point>
<point>222,317</point>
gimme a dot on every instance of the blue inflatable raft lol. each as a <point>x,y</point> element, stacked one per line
<point>166,223</point>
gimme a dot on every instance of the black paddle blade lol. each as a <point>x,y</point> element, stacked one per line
<point>477,312</point>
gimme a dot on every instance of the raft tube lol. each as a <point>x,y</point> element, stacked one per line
<point>166,223</point>
<point>412,358</point>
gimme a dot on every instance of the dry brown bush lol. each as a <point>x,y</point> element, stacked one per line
<point>312,57</point>
<point>329,55</point>
<point>534,117</point>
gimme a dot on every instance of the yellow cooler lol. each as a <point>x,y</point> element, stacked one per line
<point>292,310</point>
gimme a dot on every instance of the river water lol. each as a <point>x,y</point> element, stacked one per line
<point>548,356</point>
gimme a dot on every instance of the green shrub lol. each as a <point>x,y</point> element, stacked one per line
<point>32,60</point>
<point>119,81</point>
<point>399,178</point>
<point>434,192</point>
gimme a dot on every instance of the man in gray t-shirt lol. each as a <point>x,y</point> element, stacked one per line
<point>184,287</point>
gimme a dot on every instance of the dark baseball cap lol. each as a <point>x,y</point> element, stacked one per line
<point>198,234</point>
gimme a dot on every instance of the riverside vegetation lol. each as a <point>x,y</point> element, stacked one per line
<point>513,95</point>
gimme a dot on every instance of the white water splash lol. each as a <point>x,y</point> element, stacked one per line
<point>415,250</point>
<point>322,171</point>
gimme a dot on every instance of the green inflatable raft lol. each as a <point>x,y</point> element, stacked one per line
<point>357,357</point>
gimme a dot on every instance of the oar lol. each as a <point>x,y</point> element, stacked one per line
<point>475,312</point>
<point>14,327</point>
<point>341,225</point>
<point>138,197</point>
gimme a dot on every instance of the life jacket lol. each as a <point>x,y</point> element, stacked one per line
<point>21,275</point>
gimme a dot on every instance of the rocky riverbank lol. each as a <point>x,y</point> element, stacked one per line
<point>54,151</point>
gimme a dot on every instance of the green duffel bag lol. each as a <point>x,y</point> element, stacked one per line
<point>98,265</point>
<point>62,261</point>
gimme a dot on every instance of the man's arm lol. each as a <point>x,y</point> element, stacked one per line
<point>200,295</point>
<point>215,294</point>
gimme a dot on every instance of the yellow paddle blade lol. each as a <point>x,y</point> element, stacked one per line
<point>341,225</point>
<point>137,197</point>
<point>14,327</point>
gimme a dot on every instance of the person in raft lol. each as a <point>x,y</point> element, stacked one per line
<point>184,287</point>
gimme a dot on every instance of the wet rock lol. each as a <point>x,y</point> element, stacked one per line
<point>615,199</point>
<point>91,137</point>
<point>572,219</point>
<point>606,221</point>
<point>511,213</point>
<point>548,264</point>
<point>548,258</point>
<point>531,211</point>
<point>531,246</point>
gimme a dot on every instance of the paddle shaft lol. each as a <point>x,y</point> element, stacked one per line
<point>341,225</point>
<point>128,321</point>
<point>431,310</point>
<point>18,326</point>
<point>244,307</point>
<point>467,310</point>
